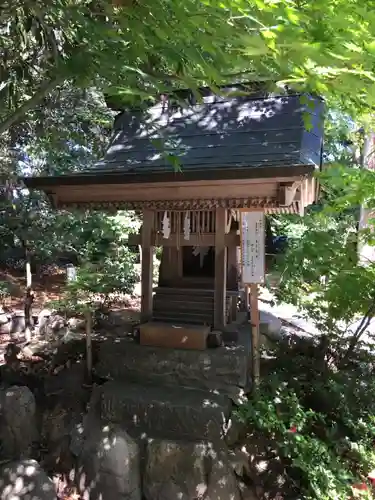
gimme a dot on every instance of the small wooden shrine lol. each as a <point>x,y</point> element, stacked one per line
<point>190,169</point>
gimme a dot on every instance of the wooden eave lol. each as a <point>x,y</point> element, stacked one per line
<point>99,177</point>
<point>176,190</point>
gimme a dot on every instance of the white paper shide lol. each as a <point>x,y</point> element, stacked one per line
<point>252,247</point>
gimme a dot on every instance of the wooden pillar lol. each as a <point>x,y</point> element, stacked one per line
<point>180,263</point>
<point>220,268</point>
<point>147,265</point>
<point>232,279</point>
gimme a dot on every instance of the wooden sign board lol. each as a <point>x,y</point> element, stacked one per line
<point>252,231</point>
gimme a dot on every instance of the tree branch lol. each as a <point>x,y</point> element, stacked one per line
<point>18,114</point>
<point>360,330</point>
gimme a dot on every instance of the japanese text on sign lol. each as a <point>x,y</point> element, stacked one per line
<point>252,247</point>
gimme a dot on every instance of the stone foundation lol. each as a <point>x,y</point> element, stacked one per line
<point>151,411</point>
<point>223,369</point>
<point>161,429</point>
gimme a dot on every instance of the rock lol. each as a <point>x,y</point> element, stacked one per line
<point>266,469</point>
<point>57,426</point>
<point>18,429</point>
<point>109,464</point>
<point>77,323</point>
<point>170,413</point>
<point>247,493</point>
<point>234,431</point>
<point>11,353</point>
<point>222,483</point>
<point>122,317</point>
<point>60,420</point>
<point>25,480</point>
<point>6,328</point>
<point>51,326</point>
<point>215,339</point>
<point>71,335</point>
<point>4,318</point>
<point>82,429</point>
<point>187,471</point>
<point>43,317</point>
<point>270,325</point>
<point>239,460</point>
<point>68,381</point>
<point>218,370</point>
<point>18,323</point>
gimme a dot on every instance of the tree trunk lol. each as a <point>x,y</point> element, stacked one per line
<point>88,315</point>
<point>29,297</point>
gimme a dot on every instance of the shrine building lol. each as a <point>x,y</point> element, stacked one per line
<point>190,167</point>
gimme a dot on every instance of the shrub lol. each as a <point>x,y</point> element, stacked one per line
<point>317,400</point>
<point>321,420</point>
<point>4,291</point>
<point>98,285</point>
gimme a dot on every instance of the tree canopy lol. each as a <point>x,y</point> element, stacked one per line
<point>135,49</point>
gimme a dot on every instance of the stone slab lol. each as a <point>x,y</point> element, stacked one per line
<point>187,471</point>
<point>177,336</point>
<point>224,369</point>
<point>108,467</point>
<point>174,413</point>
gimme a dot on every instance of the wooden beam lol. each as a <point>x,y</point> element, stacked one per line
<point>220,269</point>
<point>147,265</point>
<point>287,192</point>
<point>204,240</point>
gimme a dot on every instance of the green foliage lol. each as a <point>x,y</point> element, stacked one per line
<point>135,50</point>
<point>320,272</point>
<point>321,262</point>
<point>323,433</point>
<point>4,291</point>
<point>317,402</point>
<point>100,284</point>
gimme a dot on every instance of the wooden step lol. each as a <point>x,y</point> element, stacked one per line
<point>177,297</point>
<point>185,317</point>
<point>184,291</point>
<point>162,304</point>
<point>182,305</point>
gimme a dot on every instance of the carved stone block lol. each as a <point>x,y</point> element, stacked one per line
<point>221,369</point>
<point>165,412</point>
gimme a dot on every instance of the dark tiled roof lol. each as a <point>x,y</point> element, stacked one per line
<point>230,132</point>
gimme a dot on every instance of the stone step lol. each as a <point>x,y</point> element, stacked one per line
<point>157,412</point>
<point>223,369</point>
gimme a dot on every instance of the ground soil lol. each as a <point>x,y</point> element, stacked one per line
<point>46,289</point>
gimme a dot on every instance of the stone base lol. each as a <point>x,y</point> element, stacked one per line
<point>172,413</point>
<point>224,369</point>
<point>178,470</point>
